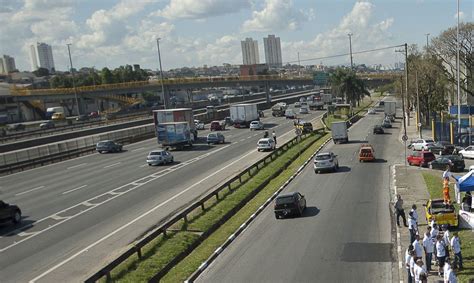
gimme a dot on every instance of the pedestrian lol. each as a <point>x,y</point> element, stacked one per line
<point>447,173</point>
<point>418,270</point>
<point>399,211</point>
<point>415,214</point>
<point>449,275</point>
<point>417,246</point>
<point>456,246</point>
<point>434,236</point>
<point>412,266</point>
<point>274,137</point>
<point>412,226</point>
<point>265,134</point>
<point>440,254</point>
<point>446,237</point>
<point>408,255</point>
<point>428,246</point>
<point>446,196</point>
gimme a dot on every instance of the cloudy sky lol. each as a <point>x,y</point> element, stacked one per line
<point>197,32</point>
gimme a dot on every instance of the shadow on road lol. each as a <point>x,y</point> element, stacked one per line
<point>8,229</point>
<point>356,141</point>
<point>310,211</point>
<point>379,160</point>
<point>270,125</point>
<point>343,169</point>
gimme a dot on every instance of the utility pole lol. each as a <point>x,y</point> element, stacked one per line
<point>418,120</point>
<point>299,65</point>
<point>165,99</point>
<point>73,80</point>
<point>404,120</point>
<point>406,83</point>
<point>457,73</point>
<point>427,37</point>
<point>350,50</point>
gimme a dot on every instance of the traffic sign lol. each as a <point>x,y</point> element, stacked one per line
<point>419,124</point>
<point>405,138</point>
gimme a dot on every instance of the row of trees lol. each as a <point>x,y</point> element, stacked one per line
<point>105,76</point>
<point>345,83</point>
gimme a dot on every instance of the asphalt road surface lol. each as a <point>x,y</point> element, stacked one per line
<point>83,212</point>
<point>345,232</point>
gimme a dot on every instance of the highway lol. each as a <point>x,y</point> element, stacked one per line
<point>80,213</point>
<point>345,232</point>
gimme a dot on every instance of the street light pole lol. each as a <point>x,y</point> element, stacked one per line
<point>73,80</point>
<point>165,102</point>
<point>427,37</point>
<point>418,120</point>
<point>457,73</point>
<point>350,49</point>
<point>299,65</point>
<point>406,83</point>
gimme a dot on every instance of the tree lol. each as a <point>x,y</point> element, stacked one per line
<point>346,84</point>
<point>106,76</point>
<point>445,48</point>
<point>41,72</point>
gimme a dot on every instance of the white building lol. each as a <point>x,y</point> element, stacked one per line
<point>250,52</point>
<point>7,64</point>
<point>272,51</point>
<point>41,56</point>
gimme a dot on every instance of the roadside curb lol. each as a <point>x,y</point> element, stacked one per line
<point>393,195</point>
<point>242,227</point>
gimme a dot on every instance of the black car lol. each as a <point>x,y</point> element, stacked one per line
<point>9,212</point>
<point>455,162</point>
<point>82,118</point>
<point>443,148</point>
<point>386,124</point>
<point>108,146</point>
<point>16,127</point>
<point>378,130</point>
<point>289,204</point>
<point>47,125</point>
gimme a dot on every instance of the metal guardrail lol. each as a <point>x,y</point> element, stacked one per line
<point>183,215</point>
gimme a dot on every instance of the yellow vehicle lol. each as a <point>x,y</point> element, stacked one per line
<point>441,213</point>
<point>366,153</point>
<point>58,116</point>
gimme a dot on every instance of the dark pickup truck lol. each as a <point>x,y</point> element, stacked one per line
<point>9,212</point>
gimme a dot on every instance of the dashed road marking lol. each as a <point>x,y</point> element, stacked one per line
<point>28,191</point>
<point>112,165</point>
<point>70,191</point>
<point>76,166</point>
<point>138,149</point>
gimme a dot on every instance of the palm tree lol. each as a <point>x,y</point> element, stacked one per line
<point>345,83</point>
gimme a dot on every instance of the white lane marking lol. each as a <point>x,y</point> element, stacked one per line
<point>34,189</point>
<point>90,202</point>
<point>138,149</point>
<point>249,137</point>
<point>144,165</point>
<point>242,140</point>
<point>78,165</point>
<point>112,165</point>
<point>132,222</point>
<point>70,191</point>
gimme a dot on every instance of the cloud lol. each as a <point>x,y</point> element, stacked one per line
<point>277,15</point>
<point>462,16</point>
<point>192,9</point>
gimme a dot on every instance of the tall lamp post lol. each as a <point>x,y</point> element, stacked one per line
<point>427,40</point>
<point>73,80</point>
<point>457,74</point>
<point>350,49</point>
<point>165,102</point>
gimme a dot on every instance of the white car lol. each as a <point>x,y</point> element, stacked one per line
<point>468,152</point>
<point>256,125</point>
<point>297,104</point>
<point>266,144</point>
<point>304,110</point>
<point>199,125</point>
<point>422,144</point>
<point>325,161</point>
<point>157,157</point>
<point>371,111</point>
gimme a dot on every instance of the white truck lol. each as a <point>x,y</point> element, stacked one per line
<point>175,134</point>
<point>390,108</point>
<point>316,103</point>
<point>326,98</point>
<point>339,132</point>
<point>176,115</point>
<point>243,114</point>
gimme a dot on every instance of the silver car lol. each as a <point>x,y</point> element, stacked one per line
<point>256,125</point>
<point>325,161</point>
<point>215,138</point>
<point>157,157</point>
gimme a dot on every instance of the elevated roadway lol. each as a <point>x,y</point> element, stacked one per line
<point>345,234</point>
<point>81,213</point>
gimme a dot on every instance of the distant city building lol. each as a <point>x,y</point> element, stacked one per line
<point>136,67</point>
<point>250,51</point>
<point>272,51</point>
<point>254,69</point>
<point>7,64</point>
<point>41,56</point>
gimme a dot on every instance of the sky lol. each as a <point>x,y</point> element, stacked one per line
<point>208,32</point>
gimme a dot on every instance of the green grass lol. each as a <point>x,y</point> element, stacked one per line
<point>434,186</point>
<point>162,250</point>
<point>187,266</point>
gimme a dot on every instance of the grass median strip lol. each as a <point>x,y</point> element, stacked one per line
<point>434,187</point>
<point>187,266</point>
<point>163,250</point>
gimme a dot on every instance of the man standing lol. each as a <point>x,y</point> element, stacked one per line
<point>456,246</point>
<point>440,253</point>
<point>418,270</point>
<point>274,137</point>
<point>399,211</point>
<point>415,214</point>
<point>412,226</point>
<point>428,245</point>
<point>417,246</point>
<point>408,257</point>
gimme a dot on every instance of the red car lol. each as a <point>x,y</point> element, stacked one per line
<point>420,158</point>
<point>217,126</point>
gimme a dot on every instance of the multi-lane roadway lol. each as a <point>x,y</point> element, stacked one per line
<point>81,213</point>
<point>345,234</point>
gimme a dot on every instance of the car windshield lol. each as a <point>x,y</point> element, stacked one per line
<point>284,200</point>
<point>429,141</point>
<point>428,154</point>
<point>323,157</point>
<point>155,153</point>
<point>211,135</point>
<point>104,143</point>
<point>263,142</point>
<point>454,157</point>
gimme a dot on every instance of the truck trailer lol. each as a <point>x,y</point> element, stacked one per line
<point>339,132</point>
<point>390,108</point>
<point>243,114</point>
<point>174,135</point>
<point>176,115</point>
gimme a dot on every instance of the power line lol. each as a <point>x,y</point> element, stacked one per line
<point>345,54</point>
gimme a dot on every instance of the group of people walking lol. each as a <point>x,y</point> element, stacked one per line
<point>436,244</point>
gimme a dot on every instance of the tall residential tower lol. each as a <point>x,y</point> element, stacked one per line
<point>41,56</point>
<point>272,51</point>
<point>250,52</point>
<point>7,64</point>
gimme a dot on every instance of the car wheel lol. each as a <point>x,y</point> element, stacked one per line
<point>223,141</point>
<point>16,217</point>
<point>208,143</point>
<point>277,216</point>
<point>460,155</point>
<point>100,151</point>
<point>172,160</point>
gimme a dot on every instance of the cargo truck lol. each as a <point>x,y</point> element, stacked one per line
<point>278,110</point>
<point>390,108</point>
<point>174,135</point>
<point>176,115</point>
<point>52,110</point>
<point>316,104</point>
<point>243,114</point>
<point>339,132</point>
<point>326,98</point>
